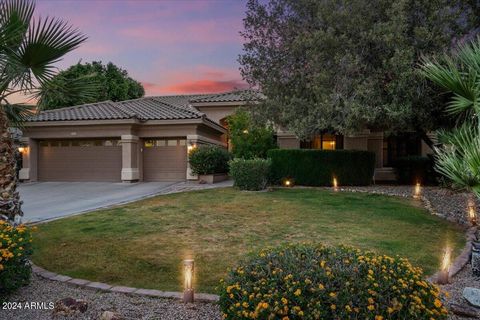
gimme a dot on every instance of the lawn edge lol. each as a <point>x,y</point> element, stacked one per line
<point>100,286</point>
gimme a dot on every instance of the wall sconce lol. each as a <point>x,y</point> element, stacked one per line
<point>443,274</point>
<point>191,147</point>
<point>335,184</point>
<point>188,267</point>
<point>472,214</point>
<point>417,191</point>
<point>22,149</point>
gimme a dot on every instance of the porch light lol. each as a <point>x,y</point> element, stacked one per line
<point>335,184</point>
<point>191,147</point>
<point>21,149</point>
<point>418,190</point>
<point>188,285</point>
<point>443,274</point>
<point>472,214</point>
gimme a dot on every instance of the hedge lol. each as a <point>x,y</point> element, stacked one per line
<point>318,167</point>
<point>413,169</point>
<point>250,174</point>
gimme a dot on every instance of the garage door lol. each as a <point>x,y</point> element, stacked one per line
<point>79,160</point>
<point>164,160</point>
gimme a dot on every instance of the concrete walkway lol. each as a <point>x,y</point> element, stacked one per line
<point>44,201</point>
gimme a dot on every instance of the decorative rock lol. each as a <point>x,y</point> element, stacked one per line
<point>68,306</point>
<point>109,315</point>
<point>472,295</point>
<point>463,311</point>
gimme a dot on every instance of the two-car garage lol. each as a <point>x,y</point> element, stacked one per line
<point>101,160</point>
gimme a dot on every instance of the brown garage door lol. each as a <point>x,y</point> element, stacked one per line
<point>79,160</point>
<point>164,160</point>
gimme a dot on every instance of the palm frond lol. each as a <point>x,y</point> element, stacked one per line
<point>46,42</point>
<point>17,113</point>
<point>15,17</point>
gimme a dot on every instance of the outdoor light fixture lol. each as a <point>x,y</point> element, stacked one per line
<point>472,214</point>
<point>188,286</point>
<point>191,147</point>
<point>21,149</point>
<point>418,190</point>
<point>335,184</point>
<point>288,183</point>
<point>443,277</point>
<point>245,131</point>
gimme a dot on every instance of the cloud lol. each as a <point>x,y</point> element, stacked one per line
<point>195,86</point>
<point>197,32</point>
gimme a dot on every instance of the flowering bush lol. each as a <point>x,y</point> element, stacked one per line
<point>317,282</point>
<point>15,250</point>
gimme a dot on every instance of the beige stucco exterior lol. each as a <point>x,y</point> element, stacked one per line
<point>131,134</point>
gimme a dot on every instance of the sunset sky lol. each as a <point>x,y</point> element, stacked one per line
<point>183,46</point>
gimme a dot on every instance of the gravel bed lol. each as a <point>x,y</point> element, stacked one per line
<point>446,203</point>
<point>463,279</point>
<point>128,306</point>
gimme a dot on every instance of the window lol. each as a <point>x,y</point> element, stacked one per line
<point>323,142</point>
<point>161,143</point>
<point>172,143</point>
<point>149,143</point>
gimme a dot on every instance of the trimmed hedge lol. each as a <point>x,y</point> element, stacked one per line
<point>306,281</point>
<point>413,169</point>
<point>209,159</point>
<point>318,167</point>
<point>251,174</point>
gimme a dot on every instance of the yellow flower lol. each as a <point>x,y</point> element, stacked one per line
<point>332,294</point>
<point>284,301</point>
<point>348,308</point>
<point>437,303</point>
<point>333,307</point>
<point>298,292</point>
<point>378,318</point>
<point>321,287</point>
<point>371,307</point>
<point>371,301</point>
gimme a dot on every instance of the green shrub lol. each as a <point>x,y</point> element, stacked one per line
<point>413,169</point>
<point>209,159</point>
<point>318,167</point>
<point>316,282</point>
<point>15,250</point>
<point>249,140</point>
<point>251,174</point>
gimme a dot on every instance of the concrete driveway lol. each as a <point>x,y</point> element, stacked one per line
<point>51,200</point>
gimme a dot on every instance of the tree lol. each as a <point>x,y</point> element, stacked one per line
<point>341,66</point>
<point>459,157</point>
<point>249,140</point>
<point>28,50</point>
<point>114,82</point>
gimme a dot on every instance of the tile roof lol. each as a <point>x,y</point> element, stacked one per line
<point>233,96</point>
<point>147,108</point>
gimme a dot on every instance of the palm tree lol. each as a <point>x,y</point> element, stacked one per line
<point>459,157</point>
<point>29,48</point>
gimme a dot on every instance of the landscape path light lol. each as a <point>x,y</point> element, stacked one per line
<point>188,292</point>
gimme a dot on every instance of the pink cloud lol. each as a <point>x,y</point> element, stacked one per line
<point>195,86</point>
<point>194,32</point>
<point>95,48</point>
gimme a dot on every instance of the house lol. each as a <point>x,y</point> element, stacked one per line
<point>148,139</point>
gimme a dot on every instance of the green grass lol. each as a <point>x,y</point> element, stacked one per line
<point>143,244</point>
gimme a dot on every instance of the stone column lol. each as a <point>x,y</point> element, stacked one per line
<point>28,172</point>
<point>375,145</point>
<point>130,172</point>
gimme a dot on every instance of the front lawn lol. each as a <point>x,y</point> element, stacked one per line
<point>143,244</point>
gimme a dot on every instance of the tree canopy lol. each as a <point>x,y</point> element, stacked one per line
<point>114,83</point>
<point>341,66</point>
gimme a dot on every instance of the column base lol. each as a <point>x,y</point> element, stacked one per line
<point>130,174</point>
